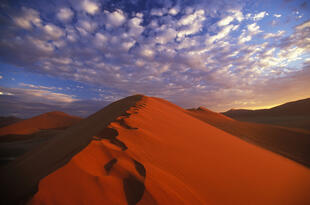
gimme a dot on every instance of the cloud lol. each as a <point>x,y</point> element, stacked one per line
<point>277,15</point>
<point>221,34</point>
<point>39,94</point>
<point>274,35</point>
<point>174,11</point>
<point>90,7</point>
<point>116,18</point>
<point>21,105</point>
<point>65,14</point>
<point>260,16</point>
<point>225,21</point>
<point>234,14</point>
<point>53,31</point>
<point>257,17</point>
<point>253,29</point>
<point>28,18</point>
<point>87,25</point>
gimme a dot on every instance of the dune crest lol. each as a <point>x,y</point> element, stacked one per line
<point>145,150</point>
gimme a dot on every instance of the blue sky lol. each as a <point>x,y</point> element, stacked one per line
<point>78,56</point>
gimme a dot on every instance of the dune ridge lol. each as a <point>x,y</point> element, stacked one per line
<point>145,150</point>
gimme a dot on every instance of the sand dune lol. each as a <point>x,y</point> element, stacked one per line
<point>5,121</point>
<point>289,142</point>
<point>20,137</point>
<point>144,150</point>
<point>50,120</point>
<point>292,114</point>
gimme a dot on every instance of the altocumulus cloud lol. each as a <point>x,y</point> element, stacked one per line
<point>210,53</point>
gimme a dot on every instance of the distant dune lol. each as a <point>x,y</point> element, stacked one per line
<point>292,114</point>
<point>289,142</point>
<point>50,120</point>
<point>22,136</point>
<point>147,151</point>
<point>5,121</point>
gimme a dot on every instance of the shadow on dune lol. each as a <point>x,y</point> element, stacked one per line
<point>110,165</point>
<point>133,189</point>
<point>111,134</point>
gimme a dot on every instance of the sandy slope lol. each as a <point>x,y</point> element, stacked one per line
<point>158,154</point>
<point>290,142</point>
<point>50,120</point>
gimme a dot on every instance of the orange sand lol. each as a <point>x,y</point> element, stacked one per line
<point>187,161</point>
<point>50,120</point>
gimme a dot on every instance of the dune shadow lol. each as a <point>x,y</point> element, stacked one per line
<point>140,168</point>
<point>111,134</point>
<point>122,123</point>
<point>133,189</point>
<point>108,166</point>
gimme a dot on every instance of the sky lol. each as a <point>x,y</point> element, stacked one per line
<point>77,56</point>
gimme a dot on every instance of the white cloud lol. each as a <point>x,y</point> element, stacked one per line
<point>174,11</point>
<point>220,35</point>
<point>28,18</point>
<point>116,18</point>
<point>65,14</point>
<point>135,26</point>
<point>53,31</point>
<point>146,52</point>
<point>189,19</point>
<point>253,29</point>
<point>100,40</point>
<point>191,24</point>
<point>89,26</point>
<point>244,37</point>
<point>90,7</point>
<point>41,45</point>
<point>225,21</point>
<point>260,15</point>
<point>277,15</point>
<point>273,35</point>
<point>166,36</point>
<point>234,14</point>
<point>303,26</point>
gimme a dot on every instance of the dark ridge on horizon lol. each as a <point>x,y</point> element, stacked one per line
<point>294,114</point>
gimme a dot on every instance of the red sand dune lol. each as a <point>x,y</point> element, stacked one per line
<point>49,120</point>
<point>155,153</point>
<point>290,142</point>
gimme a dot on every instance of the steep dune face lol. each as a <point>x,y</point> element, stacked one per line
<point>156,153</point>
<point>289,142</point>
<point>50,120</point>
